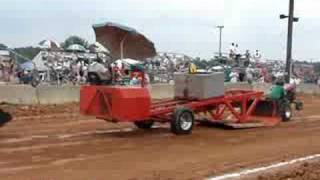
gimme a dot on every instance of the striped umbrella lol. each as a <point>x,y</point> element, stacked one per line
<point>98,48</point>
<point>76,48</point>
<point>49,44</point>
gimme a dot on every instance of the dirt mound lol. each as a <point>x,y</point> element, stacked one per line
<point>303,171</point>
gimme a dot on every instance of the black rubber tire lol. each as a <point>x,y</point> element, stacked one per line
<point>299,105</point>
<point>144,124</point>
<point>35,82</point>
<point>177,121</point>
<point>286,112</point>
<point>4,118</point>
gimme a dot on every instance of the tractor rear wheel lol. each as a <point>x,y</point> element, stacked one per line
<point>144,124</point>
<point>286,112</point>
<point>182,121</point>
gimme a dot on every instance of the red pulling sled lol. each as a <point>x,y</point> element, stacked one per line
<point>237,108</point>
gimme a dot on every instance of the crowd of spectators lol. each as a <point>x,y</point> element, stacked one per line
<point>72,67</point>
<point>63,67</point>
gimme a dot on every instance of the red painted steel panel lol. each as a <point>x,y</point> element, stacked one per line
<point>115,103</point>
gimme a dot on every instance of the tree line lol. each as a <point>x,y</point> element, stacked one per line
<point>30,52</point>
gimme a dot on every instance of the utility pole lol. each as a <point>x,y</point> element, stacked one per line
<point>220,40</point>
<point>291,19</point>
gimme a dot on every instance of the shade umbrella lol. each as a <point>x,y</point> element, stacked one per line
<point>124,42</point>
<point>76,48</point>
<point>49,44</point>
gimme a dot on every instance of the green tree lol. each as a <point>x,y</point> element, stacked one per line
<point>317,68</point>
<point>3,47</point>
<point>75,40</point>
<point>27,52</point>
<point>201,64</point>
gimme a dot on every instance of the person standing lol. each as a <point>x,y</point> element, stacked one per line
<point>249,75</point>
<point>12,70</point>
<point>247,58</point>
<point>257,57</point>
<point>6,70</point>
<point>232,51</point>
<point>237,54</point>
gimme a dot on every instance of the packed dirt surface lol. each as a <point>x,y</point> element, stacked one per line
<point>36,110</point>
<point>55,142</point>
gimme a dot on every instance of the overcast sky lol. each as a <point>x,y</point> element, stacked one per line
<point>183,26</point>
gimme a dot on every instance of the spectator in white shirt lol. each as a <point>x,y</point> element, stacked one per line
<point>234,76</point>
<point>257,56</point>
<point>237,54</point>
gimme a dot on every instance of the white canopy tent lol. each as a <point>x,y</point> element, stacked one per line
<point>38,61</point>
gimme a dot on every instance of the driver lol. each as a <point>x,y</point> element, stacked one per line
<point>277,91</point>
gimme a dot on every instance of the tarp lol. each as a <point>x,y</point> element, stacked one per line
<point>27,66</point>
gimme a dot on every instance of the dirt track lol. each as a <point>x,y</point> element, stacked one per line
<point>64,145</point>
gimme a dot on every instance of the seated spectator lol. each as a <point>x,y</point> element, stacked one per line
<point>234,76</point>
<point>135,80</point>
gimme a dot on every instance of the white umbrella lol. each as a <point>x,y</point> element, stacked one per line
<point>49,44</point>
<point>99,48</point>
<point>76,47</point>
<point>126,62</point>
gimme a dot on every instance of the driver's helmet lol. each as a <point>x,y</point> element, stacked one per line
<point>290,87</point>
<point>280,81</point>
